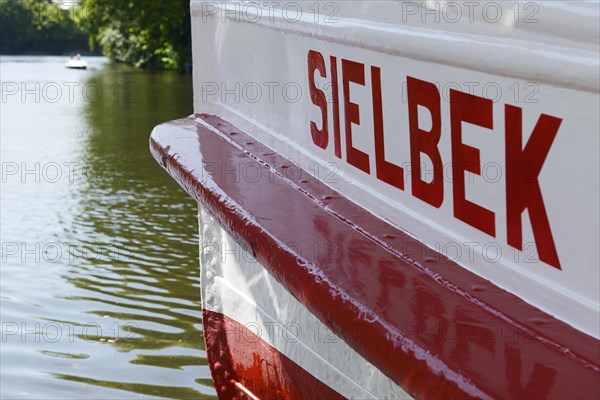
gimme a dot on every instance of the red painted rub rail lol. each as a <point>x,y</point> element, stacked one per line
<point>433,327</point>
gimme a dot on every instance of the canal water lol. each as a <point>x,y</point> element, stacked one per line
<point>100,295</point>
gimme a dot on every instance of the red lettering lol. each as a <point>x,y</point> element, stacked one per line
<point>523,191</point>
<point>353,72</point>
<point>478,111</point>
<point>421,93</point>
<point>336,107</point>
<point>316,62</point>
<point>523,162</point>
<point>386,171</point>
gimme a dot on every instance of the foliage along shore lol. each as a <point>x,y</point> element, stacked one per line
<point>145,34</point>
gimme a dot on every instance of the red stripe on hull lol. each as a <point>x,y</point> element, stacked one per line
<point>244,366</point>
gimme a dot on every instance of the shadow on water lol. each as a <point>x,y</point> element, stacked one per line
<point>149,283</point>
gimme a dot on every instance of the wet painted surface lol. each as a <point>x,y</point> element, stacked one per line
<point>436,329</point>
<point>246,365</point>
<point>100,289</point>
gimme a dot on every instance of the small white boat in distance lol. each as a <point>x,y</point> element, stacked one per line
<point>76,62</point>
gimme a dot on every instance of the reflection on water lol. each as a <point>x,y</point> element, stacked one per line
<point>100,276</point>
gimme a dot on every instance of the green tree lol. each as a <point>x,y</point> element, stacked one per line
<point>144,33</point>
<point>39,26</point>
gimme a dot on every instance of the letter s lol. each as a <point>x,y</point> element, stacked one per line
<point>317,62</point>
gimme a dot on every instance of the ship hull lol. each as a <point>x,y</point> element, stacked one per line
<point>260,339</point>
<point>394,205</point>
<point>378,315</point>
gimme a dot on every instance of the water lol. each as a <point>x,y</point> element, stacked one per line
<point>100,294</point>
